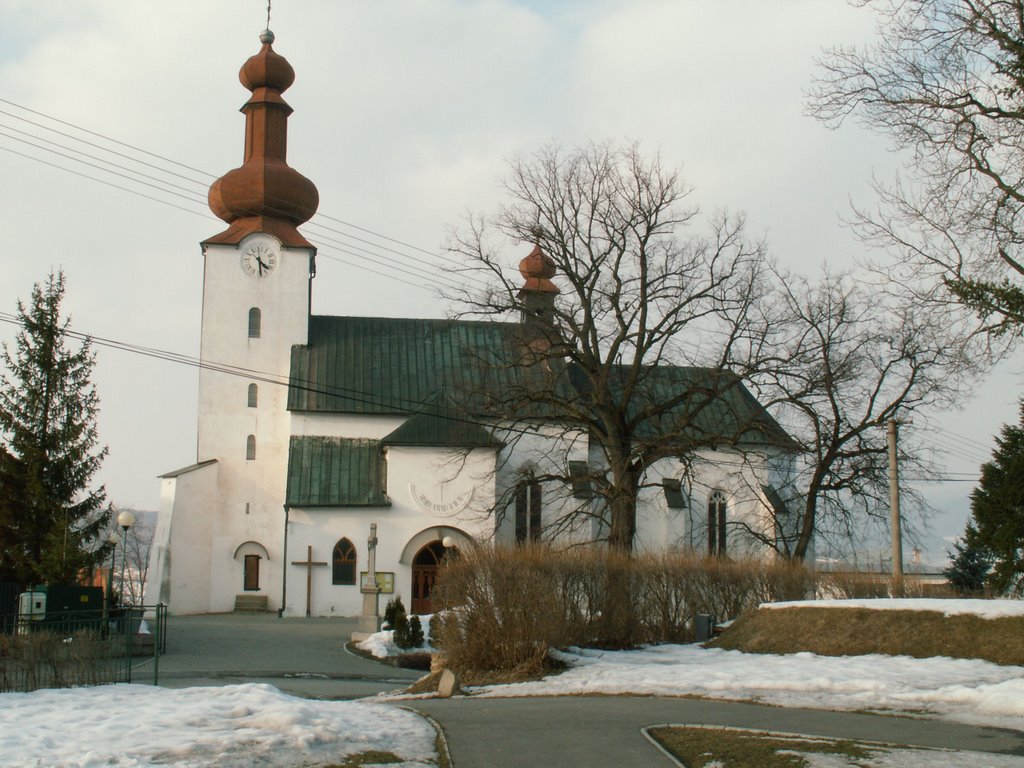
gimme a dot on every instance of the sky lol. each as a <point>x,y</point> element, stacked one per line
<point>406,114</point>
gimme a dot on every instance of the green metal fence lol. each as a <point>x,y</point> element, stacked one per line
<point>59,650</point>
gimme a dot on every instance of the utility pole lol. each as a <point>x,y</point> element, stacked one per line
<point>894,509</point>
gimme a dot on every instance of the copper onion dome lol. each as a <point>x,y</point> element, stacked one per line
<point>537,269</point>
<point>264,194</point>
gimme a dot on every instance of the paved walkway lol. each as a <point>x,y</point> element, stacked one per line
<point>604,731</point>
<point>306,657</point>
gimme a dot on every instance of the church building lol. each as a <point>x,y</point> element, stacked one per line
<point>313,428</point>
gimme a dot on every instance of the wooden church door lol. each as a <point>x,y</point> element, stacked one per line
<point>424,574</point>
<point>252,573</point>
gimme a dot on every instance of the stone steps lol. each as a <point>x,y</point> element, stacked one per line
<point>250,604</point>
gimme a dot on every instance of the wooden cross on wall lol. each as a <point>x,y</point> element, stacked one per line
<point>309,563</point>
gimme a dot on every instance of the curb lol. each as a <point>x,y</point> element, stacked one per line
<point>442,741</point>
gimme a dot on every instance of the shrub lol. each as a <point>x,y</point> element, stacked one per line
<point>507,607</point>
<point>434,625</point>
<point>54,660</point>
<point>392,610</point>
<point>414,637</point>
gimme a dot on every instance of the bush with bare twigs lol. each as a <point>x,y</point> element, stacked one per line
<point>505,608</point>
<point>53,660</point>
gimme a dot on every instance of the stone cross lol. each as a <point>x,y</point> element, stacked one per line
<point>372,559</point>
<point>309,563</point>
<point>370,620</point>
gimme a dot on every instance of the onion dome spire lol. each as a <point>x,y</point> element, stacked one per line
<point>264,194</point>
<point>537,269</point>
<point>537,296</point>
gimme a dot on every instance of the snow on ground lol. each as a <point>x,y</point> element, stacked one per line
<point>987,609</point>
<point>965,690</point>
<point>128,726</point>
<point>382,644</point>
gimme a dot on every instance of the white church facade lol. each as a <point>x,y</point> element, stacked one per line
<point>311,428</point>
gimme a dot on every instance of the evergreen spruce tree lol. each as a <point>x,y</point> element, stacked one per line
<point>52,522</point>
<point>997,510</point>
<point>969,566</point>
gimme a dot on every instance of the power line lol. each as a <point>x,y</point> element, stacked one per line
<point>431,271</point>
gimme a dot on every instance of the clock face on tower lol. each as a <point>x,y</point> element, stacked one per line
<point>259,259</point>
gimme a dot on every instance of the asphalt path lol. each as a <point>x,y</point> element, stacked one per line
<point>307,657</point>
<point>304,657</point>
<point>599,731</point>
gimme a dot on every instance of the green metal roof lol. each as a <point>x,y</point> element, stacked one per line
<point>442,428</point>
<point>394,365</point>
<point>335,472</point>
<point>708,407</point>
<point>378,365</point>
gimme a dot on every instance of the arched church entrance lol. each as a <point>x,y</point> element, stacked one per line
<point>424,574</point>
<point>251,553</point>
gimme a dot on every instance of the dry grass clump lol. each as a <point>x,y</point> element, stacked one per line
<point>508,607</point>
<point>856,631</point>
<point>53,660</point>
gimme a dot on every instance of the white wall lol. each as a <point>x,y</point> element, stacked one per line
<point>421,482</point>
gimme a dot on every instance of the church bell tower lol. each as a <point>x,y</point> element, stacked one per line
<point>256,303</point>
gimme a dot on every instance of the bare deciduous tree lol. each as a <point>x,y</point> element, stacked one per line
<point>946,83</point>
<point>132,552</point>
<point>637,328</point>
<point>853,362</point>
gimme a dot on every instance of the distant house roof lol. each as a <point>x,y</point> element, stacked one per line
<point>335,472</point>
<point>377,365</point>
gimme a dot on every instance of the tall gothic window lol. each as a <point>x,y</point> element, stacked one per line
<point>717,508</point>
<point>253,395</point>
<point>255,320</point>
<point>250,448</point>
<point>528,508</point>
<point>344,563</point>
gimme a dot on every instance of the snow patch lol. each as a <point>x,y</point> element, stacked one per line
<point>255,724</point>
<point>986,609</point>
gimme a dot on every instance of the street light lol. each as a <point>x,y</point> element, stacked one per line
<point>126,520</point>
<point>112,539</point>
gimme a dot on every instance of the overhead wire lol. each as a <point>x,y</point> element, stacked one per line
<point>326,243</point>
<point>427,270</point>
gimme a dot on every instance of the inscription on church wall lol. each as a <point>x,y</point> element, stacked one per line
<point>434,502</point>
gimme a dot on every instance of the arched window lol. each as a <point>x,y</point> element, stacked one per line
<point>253,395</point>
<point>528,506</point>
<point>716,523</point>
<point>255,319</point>
<point>344,562</point>
<point>250,448</point>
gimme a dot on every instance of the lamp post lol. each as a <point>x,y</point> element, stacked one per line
<point>112,539</point>
<point>126,520</point>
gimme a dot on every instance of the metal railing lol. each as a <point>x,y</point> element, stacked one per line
<point>58,650</point>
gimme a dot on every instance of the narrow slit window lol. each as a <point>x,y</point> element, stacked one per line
<point>255,323</point>
<point>253,395</point>
<point>717,509</point>
<point>528,512</point>
<point>250,448</point>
